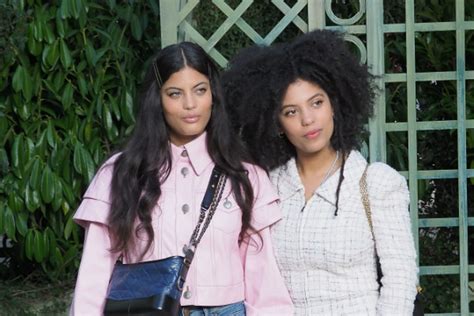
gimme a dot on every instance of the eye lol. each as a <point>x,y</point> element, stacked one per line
<point>317,103</point>
<point>174,94</point>
<point>289,112</point>
<point>201,91</point>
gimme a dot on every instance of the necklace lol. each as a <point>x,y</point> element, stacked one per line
<point>328,173</point>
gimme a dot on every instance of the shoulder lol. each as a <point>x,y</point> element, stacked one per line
<point>385,178</point>
<point>100,184</point>
<point>255,173</point>
<point>263,188</point>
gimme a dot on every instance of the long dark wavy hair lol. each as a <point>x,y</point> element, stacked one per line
<point>258,78</point>
<point>145,161</point>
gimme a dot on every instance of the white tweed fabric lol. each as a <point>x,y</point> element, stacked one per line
<point>328,261</point>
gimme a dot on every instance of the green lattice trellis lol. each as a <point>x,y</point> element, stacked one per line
<point>368,23</point>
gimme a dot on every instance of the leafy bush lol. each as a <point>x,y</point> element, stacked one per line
<point>67,82</point>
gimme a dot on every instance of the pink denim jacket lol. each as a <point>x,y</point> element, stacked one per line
<point>222,271</point>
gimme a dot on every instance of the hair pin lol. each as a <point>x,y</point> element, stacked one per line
<point>157,75</point>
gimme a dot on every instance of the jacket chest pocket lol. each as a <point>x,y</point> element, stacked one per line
<point>228,216</point>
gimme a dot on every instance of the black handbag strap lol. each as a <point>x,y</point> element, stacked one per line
<point>208,207</point>
<point>209,204</point>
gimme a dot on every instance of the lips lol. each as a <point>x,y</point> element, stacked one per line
<point>191,118</point>
<point>312,134</point>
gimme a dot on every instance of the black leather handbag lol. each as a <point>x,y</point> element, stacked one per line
<point>155,287</point>
<point>419,304</point>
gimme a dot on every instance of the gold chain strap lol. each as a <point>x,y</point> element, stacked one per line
<point>364,192</point>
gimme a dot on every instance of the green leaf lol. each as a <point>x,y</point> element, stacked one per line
<point>49,36</point>
<point>27,85</point>
<point>137,31</point>
<point>90,53</point>
<point>29,244</point>
<point>18,79</point>
<point>22,223</point>
<point>68,228</point>
<point>65,55</point>
<point>64,9</point>
<point>53,54</point>
<point>32,199</point>
<point>83,162</point>
<point>67,96</point>
<point>35,174</point>
<point>46,244</point>
<point>17,148</point>
<point>60,24</point>
<point>38,247</point>
<point>4,163</point>
<point>47,185</point>
<point>58,194</point>
<point>107,118</point>
<point>9,223</point>
<point>127,108</point>
<point>35,47</point>
<point>38,29</point>
<point>82,84</point>
<point>68,193</point>
<point>51,135</point>
<point>15,203</point>
<point>88,131</point>
<point>75,8</point>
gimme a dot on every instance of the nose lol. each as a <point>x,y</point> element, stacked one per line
<point>307,118</point>
<point>189,102</point>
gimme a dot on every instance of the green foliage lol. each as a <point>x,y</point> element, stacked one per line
<point>68,79</point>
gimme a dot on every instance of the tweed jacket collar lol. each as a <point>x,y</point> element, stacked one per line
<point>288,181</point>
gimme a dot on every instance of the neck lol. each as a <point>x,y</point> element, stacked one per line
<point>316,163</point>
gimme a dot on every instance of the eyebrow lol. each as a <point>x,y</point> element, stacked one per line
<point>309,99</point>
<point>175,88</point>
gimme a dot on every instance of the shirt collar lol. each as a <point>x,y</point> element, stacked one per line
<point>195,152</point>
<point>353,169</point>
<point>289,181</point>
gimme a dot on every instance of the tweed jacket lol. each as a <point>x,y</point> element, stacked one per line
<point>328,261</point>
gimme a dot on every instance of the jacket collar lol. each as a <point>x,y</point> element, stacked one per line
<point>289,181</point>
<point>195,152</point>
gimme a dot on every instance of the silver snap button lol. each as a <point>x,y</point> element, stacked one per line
<point>184,171</point>
<point>185,208</point>
<point>187,294</point>
<point>184,153</point>
<point>227,204</point>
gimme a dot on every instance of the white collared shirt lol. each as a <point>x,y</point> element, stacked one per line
<point>328,261</point>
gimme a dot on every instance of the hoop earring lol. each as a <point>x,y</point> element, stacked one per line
<point>281,134</point>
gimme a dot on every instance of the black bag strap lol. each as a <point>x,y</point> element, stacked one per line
<point>209,203</point>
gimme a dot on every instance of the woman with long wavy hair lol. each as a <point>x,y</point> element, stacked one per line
<point>144,202</point>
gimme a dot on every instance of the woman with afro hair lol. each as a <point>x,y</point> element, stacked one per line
<point>301,108</point>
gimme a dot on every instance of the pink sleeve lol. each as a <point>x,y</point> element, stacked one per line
<point>95,205</point>
<point>263,214</point>
<point>94,272</point>
<point>265,290</point>
<point>97,261</point>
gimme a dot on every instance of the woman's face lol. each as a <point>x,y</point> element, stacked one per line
<point>187,103</point>
<point>306,117</point>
